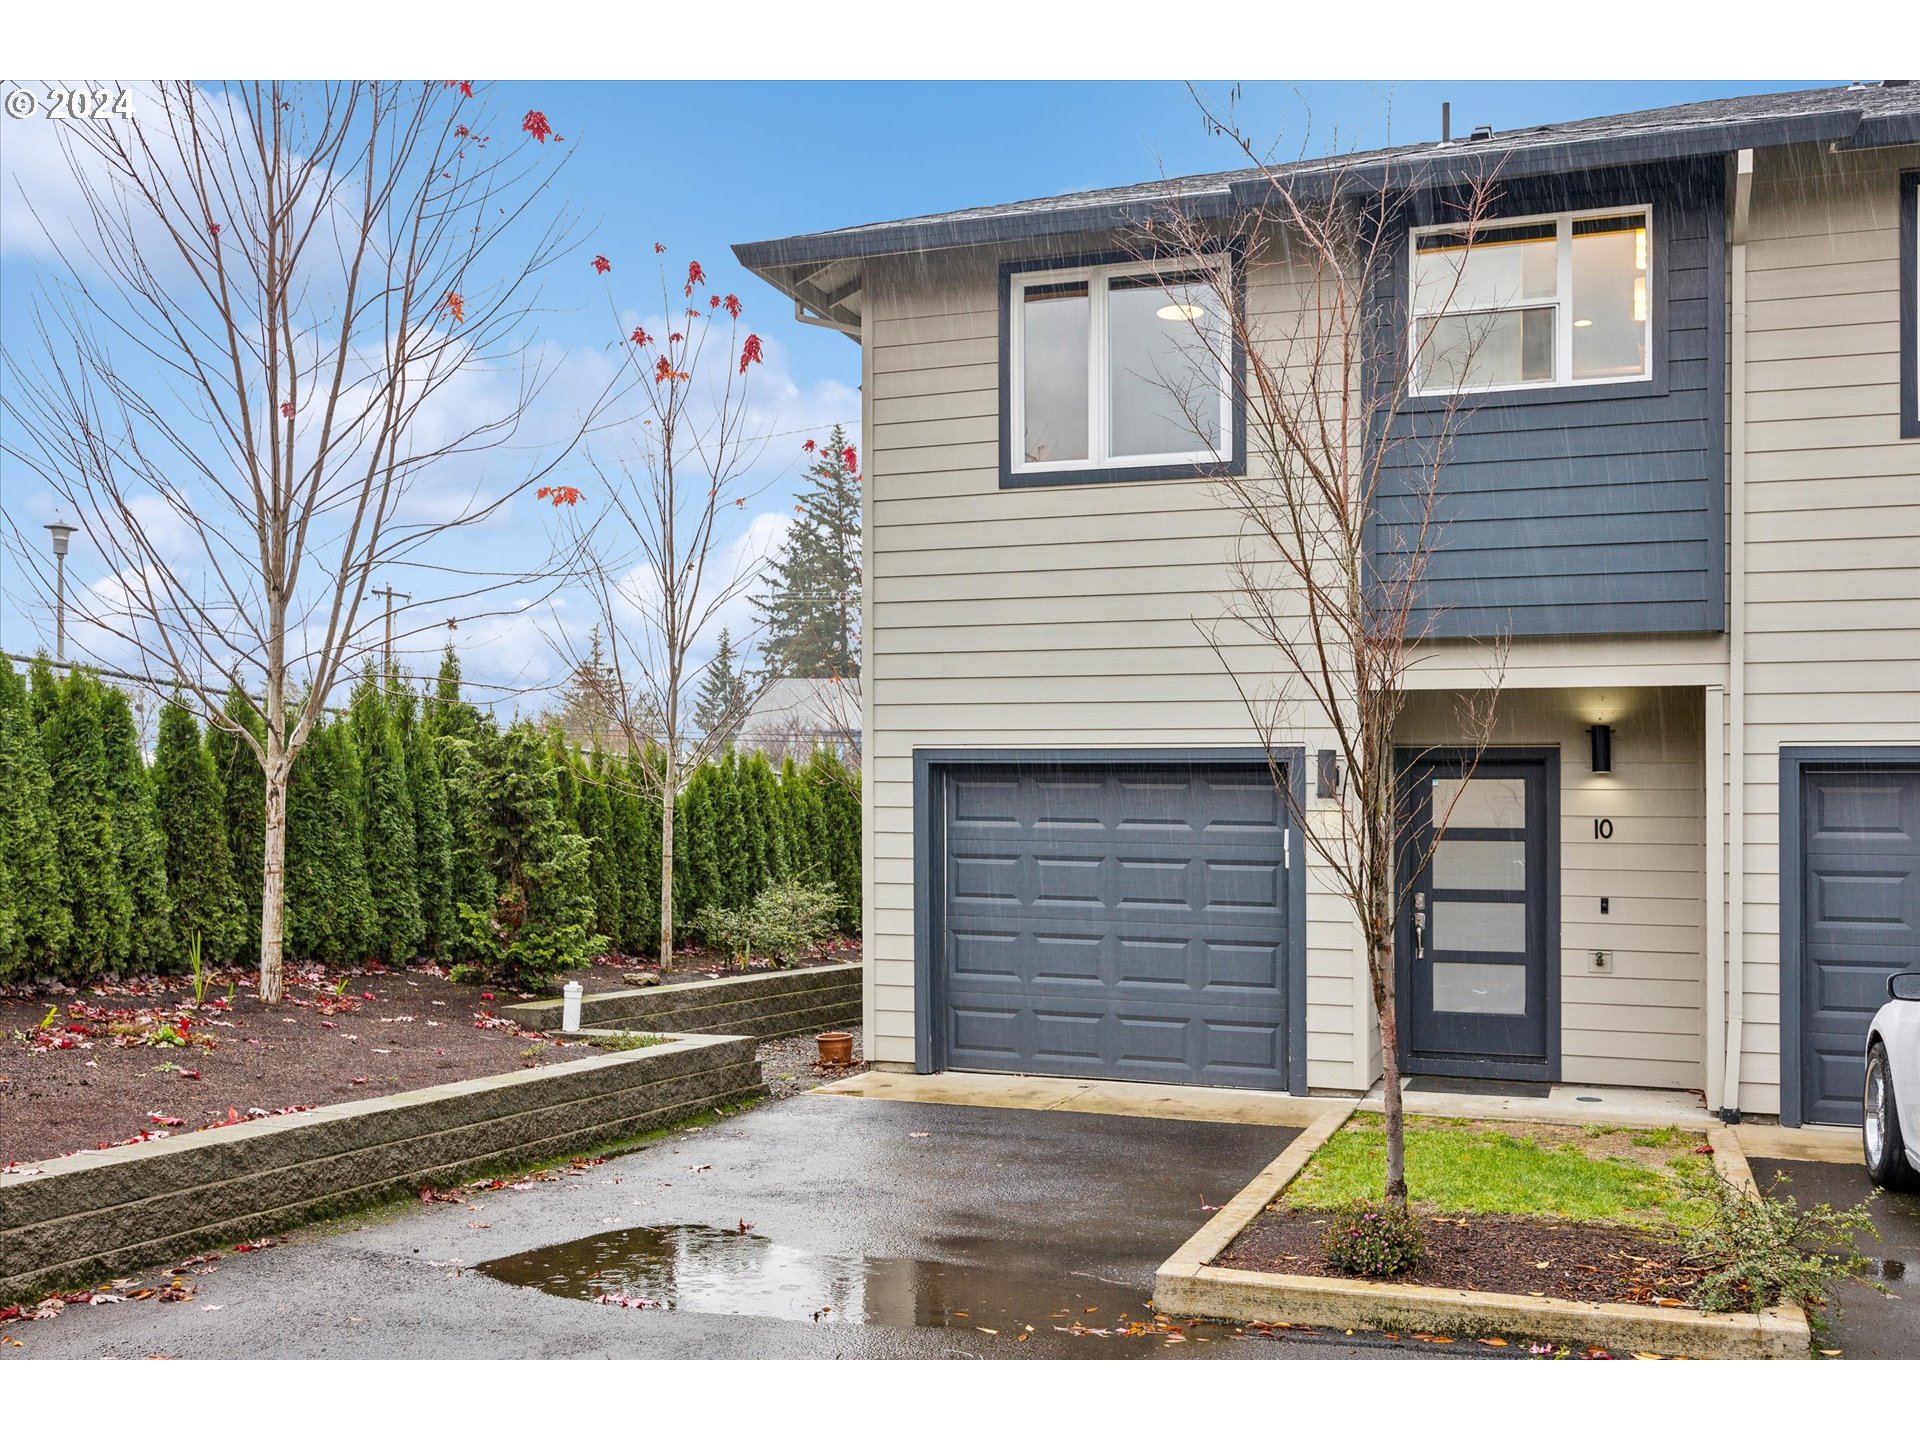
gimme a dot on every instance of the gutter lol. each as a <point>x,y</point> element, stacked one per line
<point>1737,646</point>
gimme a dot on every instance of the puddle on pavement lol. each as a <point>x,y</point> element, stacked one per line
<point>706,1270</point>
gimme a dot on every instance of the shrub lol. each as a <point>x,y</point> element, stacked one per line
<point>1371,1239</point>
<point>783,922</point>
<point>1758,1248</point>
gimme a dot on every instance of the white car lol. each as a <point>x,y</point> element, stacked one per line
<point>1891,1134</point>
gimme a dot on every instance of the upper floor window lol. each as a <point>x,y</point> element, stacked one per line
<point>1116,367</point>
<point>1526,304</point>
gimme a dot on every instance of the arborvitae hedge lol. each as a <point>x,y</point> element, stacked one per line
<point>35,924</point>
<point>200,872</point>
<point>411,832</point>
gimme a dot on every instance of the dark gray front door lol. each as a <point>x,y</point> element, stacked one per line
<point>1860,857</point>
<point>1476,951</point>
<point>1120,921</point>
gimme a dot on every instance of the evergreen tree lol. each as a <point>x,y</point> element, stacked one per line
<point>735,866</point>
<point>433,840</point>
<point>140,848</point>
<point>636,852</point>
<point>761,806</point>
<point>812,607</point>
<point>593,812</point>
<point>243,788</point>
<point>802,824</point>
<point>200,872</point>
<point>91,884</point>
<point>393,857</point>
<point>538,923</point>
<point>34,921</point>
<point>721,703</point>
<point>588,711</point>
<point>565,759</point>
<point>448,711</point>
<point>330,915</point>
<point>839,793</point>
<point>696,871</point>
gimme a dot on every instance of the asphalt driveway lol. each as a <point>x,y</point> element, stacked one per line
<point>874,1228</point>
<point>1878,1315</point>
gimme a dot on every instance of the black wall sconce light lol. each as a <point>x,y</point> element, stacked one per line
<point>1602,737</point>
<point>1327,782</point>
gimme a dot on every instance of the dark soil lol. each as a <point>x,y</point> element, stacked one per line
<point>1492,1253</point>
<point>105,1072</point>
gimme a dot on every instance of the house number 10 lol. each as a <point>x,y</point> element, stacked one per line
<point>1603,829</point>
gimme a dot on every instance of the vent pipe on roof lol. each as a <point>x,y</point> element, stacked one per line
<point>1446,122</point>
<point>1481,132</point>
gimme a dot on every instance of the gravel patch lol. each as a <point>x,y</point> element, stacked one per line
<point>791,1064</point>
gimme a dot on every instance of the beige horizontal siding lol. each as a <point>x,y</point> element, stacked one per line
<point>1833,641</point>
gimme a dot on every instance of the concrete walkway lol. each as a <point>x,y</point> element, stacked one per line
<point>1086,1097</point>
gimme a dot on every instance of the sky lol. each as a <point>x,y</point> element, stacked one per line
<point>699,167</point>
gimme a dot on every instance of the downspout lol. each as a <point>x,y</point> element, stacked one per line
<point>1737,647</point>
<point>1715,738</point>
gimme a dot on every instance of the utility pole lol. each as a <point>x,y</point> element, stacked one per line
<point>391,595</point>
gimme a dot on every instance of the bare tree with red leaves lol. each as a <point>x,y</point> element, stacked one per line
<point>282,318</point>
<point>657,560</point>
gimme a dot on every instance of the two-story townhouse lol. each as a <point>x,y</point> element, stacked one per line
<point>1687,486</point>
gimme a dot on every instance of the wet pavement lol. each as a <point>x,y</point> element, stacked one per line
<point>910,1231</point>
<point>1871,1324</point>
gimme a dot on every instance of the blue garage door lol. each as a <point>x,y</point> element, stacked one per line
<point>1861,853</point>
<point>1115,921</point>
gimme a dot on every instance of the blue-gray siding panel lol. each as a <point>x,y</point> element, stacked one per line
<point>1597,509</point>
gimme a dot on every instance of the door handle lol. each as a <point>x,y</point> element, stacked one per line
<point>1420,926</point>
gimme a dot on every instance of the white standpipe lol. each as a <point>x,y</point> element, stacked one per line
<point>570,1007</point>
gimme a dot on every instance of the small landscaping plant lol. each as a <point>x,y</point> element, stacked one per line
<point>1758,1248</point>
<point>1371,1240</point>
<point>627,1040</point>
<point>783,922</point>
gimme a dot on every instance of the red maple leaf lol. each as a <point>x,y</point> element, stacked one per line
<point>601,265</point>
<point>810,446</point>
<point>732,306</point>
<point>675,338</point>
<point>213,229</point>
<point>286,409</point>
<point>695,276</point>
<point>462,131</point>
<point>640,337</point>
<point>455,305</point>
<point>560,495</point>
<point>750,353</point>
<point>658,248</point>
<point>466,86</point>
<point>536,125</point>
<point>851,457</point>
<point>662,371</point>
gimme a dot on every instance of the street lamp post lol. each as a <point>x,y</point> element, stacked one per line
<point>62,533</point>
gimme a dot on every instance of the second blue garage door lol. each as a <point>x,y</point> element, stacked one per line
<point>1114,921</point>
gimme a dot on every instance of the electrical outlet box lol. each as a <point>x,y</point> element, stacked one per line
<point>1600,962</point>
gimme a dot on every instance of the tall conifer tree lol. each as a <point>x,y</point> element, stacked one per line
<point>91,883</point>
<point>200,872</point>
<point>811,610</point>
<point>140,848</point>
<point>35,925</point>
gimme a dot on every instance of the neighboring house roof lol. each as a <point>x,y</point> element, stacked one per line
<point>820,270</point>
<point>805,707</point>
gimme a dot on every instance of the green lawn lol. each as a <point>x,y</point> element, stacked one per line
<point>1469,1167</point>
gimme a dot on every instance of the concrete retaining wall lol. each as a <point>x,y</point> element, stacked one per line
<point>779,1002</point>
<point>83,1218</point>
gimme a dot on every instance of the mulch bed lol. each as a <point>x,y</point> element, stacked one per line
<point>1499,1254</point>
<point>791,1065</point>
<point>128,1061</point>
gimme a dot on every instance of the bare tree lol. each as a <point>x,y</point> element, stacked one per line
<point>283,317</point>
<point>655,561</point>
<point>1336,617</point>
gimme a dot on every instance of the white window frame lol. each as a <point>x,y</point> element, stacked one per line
<point>1100,366</point>
<point>1561,303</point>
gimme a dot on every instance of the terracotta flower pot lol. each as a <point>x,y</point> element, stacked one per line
<point>836,1047</point>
